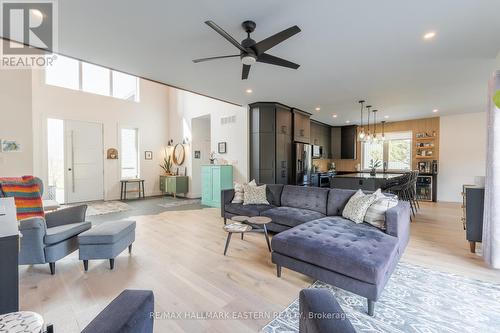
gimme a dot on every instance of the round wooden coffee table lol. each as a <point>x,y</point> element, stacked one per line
<point>261,221</point>
<point>235,228</point>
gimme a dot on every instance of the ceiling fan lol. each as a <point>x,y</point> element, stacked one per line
<point>251,51</point>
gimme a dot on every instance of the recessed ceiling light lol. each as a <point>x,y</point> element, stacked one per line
<point>249,91</point>
<point>386,117</point>
<point>429,35</point>
<point>347,121</point>
<point>435,110</point>
<point>334,116</point>
<point>317,108</point>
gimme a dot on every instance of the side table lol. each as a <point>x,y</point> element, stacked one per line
<point>123,189</point>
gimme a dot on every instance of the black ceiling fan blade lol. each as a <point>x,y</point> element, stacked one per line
<point>224,34</point>
<point>270,59</point>
<point>214,58</point>
<point>274,40</point>
<point>244,72</point>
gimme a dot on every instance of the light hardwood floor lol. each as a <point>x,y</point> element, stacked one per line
<point>178,254</point>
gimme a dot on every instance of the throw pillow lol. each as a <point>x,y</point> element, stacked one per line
<point>375,215</point>
<point>356,207</point>
<point>26,194</point>
<point>238,191</point>
<point>255,195</point>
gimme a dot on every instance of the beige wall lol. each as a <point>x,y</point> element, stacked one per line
<point>16,121</point>
<point>462,153</point>
<point>150,116</point>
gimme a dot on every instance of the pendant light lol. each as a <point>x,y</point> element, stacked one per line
<point>375,138</point>
<point>362,131</point>
<point>383,130</point>
<point>368,135</point>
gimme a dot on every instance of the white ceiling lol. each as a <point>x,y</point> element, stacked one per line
<point>347,50</point>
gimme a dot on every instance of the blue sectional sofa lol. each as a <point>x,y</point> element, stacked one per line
<point>314,239</point>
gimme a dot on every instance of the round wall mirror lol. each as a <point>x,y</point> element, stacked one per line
<point>178,154</point>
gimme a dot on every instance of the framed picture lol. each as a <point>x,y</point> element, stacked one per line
<point>10,146</point>
<point>222,148</point>
<point>197,154</point>
<point>148,155</point>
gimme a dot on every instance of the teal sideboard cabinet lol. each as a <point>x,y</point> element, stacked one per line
<point>215,178</point>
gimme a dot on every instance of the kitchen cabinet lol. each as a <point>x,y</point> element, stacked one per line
<point>214,179</point>
<point>348,142</point>
<point>301,126</point>
<point>335,142</point>
<point>271,133</point>
<point>321,136</point>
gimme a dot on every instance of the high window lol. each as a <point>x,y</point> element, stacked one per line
<point>395,152</point>
<point>129,153</point>
<point>78,75</point>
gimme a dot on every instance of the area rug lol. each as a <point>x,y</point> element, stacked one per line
<point>415,299</point>
<point>106,207</point>
<point>175,202</point>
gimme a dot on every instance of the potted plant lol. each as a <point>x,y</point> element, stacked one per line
<point>167,163</point>
<point>212,158</point>
<point>374,164</point>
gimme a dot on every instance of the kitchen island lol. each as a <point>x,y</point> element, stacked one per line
<point>360,180</point>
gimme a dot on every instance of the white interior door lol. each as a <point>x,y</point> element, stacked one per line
<point>84,159</point>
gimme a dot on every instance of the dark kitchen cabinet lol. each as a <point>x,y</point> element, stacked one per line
<point>343,142</point>
<point>270,143</point>
<point>335,139</point>
<point>301,126</point>
<point>321,136</point>
<point>348,142</point>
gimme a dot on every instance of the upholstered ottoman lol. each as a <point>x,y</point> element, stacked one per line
<point>106,241</point>
<point>356,257</point>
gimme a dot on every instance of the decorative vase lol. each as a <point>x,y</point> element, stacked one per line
<point>212,161</point>
<point>373,172</point>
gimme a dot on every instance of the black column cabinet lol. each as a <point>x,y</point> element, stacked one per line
<point>270,143</point>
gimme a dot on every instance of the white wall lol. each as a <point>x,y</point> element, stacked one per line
<point>201,142</point>
<point>184,106</point>
<point>462,153</point>
<point>16,122</point>
<point>150,116</point>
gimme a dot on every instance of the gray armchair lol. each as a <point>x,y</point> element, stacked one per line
<point>50,239</point>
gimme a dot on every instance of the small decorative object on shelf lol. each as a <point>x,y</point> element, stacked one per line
<point>112,154</point>
<point>374,164</point>
<point>167,163</point>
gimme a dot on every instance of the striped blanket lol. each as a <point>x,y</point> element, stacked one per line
<point>26,193</point>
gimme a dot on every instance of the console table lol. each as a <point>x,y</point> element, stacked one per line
<point>174,185</point>
<point>123,189</point>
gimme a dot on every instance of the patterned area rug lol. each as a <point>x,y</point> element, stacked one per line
<point>415,299</point>
<point>175,202</point>
<point>106,207</point>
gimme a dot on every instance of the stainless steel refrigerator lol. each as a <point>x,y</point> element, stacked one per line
<point>303,163</point>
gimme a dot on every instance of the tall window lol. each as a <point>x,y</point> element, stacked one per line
<point>130,153</point>
<point>395,152</point>
<point>78,75</point>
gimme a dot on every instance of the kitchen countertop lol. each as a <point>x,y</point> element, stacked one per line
<point>368,176</point>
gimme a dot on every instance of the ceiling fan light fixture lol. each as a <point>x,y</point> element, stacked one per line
<point>248,59</point>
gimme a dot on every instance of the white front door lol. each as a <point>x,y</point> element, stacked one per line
<point>84,159</point>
